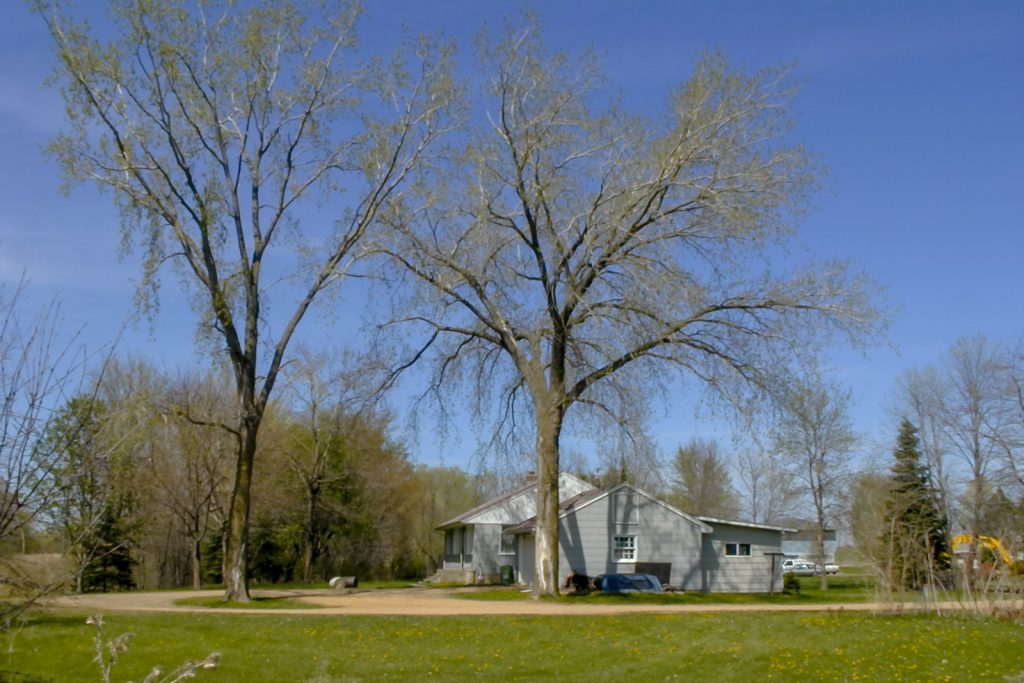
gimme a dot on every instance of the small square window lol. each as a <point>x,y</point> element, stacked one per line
<point>737,550</point>
<point>624,548</point>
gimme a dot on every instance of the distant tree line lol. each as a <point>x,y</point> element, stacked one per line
<point>138,483</point>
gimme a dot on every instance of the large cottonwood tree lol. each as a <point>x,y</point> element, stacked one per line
<point>244,144</point>
<point>575,256</point>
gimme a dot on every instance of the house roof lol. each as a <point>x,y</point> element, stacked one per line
<point>805,534</point>
<point>483,507</point>
<point>802,525</point>
<point>527,525</point>
<point>586,498</point>
<point>751,525</point>
<point>467,516</point>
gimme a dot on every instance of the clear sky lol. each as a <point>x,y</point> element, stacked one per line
<point>917,109</point>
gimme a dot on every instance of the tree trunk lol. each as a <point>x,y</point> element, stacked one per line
<point>817,476</point>
<point>549,427</point>
<point>309,552</point>
<point>236,575</point>
<point>821,554</point>
<point>970,583</point>
<point>197,564</point>
<point>307,562</point>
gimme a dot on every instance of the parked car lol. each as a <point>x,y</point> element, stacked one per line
<point>628,583</point>
<point>830,568</point>
<point>798,567</point>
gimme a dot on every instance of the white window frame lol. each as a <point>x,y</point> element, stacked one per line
<point>624,548</point>
<point>738,550</point>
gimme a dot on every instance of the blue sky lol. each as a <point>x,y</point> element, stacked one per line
<point>916,108</point>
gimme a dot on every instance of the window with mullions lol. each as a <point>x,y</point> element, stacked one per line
<point>737,550</point>
<point>624,548</point>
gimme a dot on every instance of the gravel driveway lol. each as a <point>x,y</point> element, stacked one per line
<point>422,602</point>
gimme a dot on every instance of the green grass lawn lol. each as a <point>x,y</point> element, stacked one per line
<point>264,646</point>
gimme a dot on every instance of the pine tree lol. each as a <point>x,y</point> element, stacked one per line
<point>915,533</point>
<point>109,548</point>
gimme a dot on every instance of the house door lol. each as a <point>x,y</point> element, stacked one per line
<point>458,547</point>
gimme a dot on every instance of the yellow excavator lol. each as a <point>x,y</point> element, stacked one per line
<point>990,542</point>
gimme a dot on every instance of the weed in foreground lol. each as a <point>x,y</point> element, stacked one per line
<point>108,651</point>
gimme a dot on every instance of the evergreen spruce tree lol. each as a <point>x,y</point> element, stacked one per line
<point>915,534</point>
<point>109,548</point>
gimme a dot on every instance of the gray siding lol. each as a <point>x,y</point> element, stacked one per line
<point>487,552</point>
<point>751,574</point>
<point>526,560</point>
<point>486,543</point>
<point>668,537</point>
<point>585,540</point>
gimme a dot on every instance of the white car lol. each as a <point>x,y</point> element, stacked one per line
<point>798,567</point>
<point>830,568</point>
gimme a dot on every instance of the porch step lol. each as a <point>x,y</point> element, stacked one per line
<point>465,577</point>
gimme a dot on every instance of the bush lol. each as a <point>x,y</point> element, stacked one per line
<point>790,583</point>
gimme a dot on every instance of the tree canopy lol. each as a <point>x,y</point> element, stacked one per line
<point>220,128</point>
<point>703,483</point>
<point>575,257</point>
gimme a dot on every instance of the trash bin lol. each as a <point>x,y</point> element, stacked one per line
<point>508,576</point>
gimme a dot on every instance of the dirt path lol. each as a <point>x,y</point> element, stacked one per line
<point>425,602</point>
